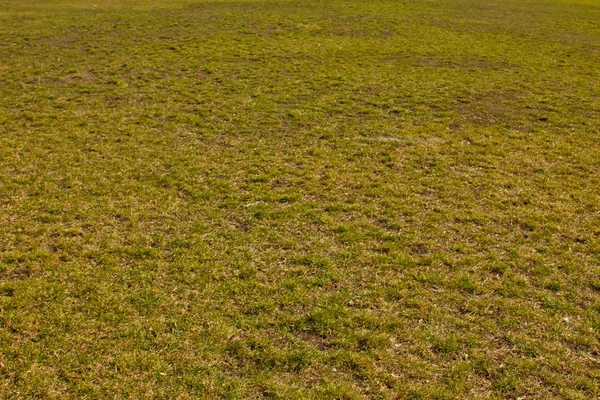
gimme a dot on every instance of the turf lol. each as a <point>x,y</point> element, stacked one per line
<point>300,199</point>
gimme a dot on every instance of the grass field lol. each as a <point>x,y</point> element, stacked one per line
<point>298,199</point>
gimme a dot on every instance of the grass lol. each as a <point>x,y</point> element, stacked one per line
<point>300,199</point>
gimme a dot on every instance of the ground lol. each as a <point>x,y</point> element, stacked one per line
<point>300,199</point>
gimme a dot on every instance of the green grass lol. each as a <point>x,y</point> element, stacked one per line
<point>300,199</point>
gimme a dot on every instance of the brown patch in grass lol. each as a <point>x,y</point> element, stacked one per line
<point>489,109</point>
<point>18,274</point>
<point>318,341</point>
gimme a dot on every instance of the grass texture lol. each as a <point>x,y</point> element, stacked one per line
<point>337,199</point>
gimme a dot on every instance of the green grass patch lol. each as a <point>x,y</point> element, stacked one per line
<point>299,199</point>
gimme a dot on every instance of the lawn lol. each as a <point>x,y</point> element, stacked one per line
<point>338,199</point>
